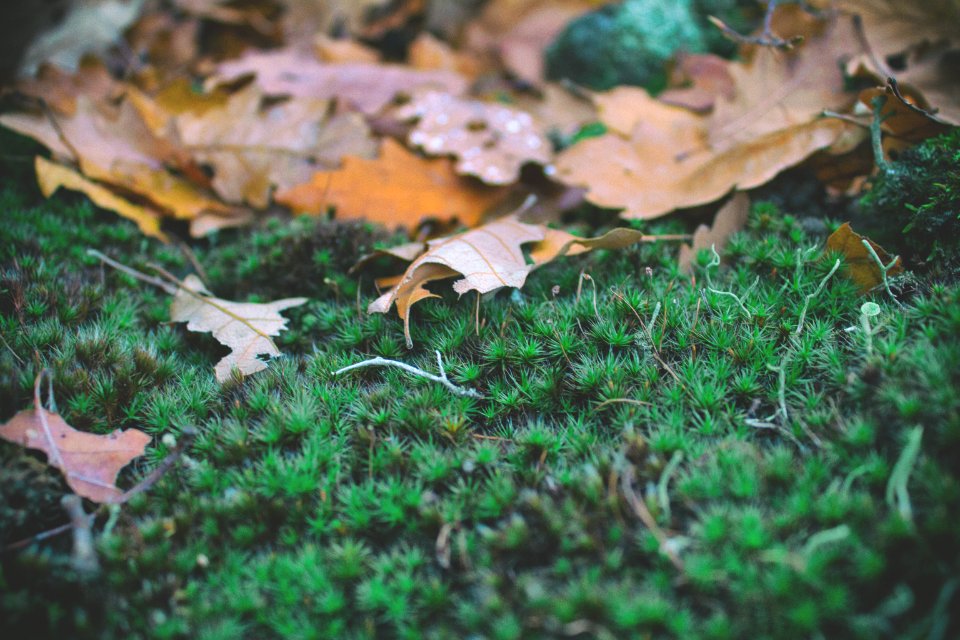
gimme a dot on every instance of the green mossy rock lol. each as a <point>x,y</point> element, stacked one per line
<point>917,202</point>
<point>630,43</point>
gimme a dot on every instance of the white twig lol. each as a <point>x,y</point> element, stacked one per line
<point>442,378</point>
<point>883,268</point>
<point>811,296</point>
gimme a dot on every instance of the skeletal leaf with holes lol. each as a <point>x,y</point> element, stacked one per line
<point>90,462</point>
<point>488,258</point>
<point>245,327</point>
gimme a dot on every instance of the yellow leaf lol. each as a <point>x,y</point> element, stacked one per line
<point>52,176</point>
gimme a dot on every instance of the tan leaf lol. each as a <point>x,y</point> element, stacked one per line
<point>89,462</point>
<point>729,219</point>
<point>60,89</point>
<point>519,31</point>
<point>339,50</point>
<point>698,81</point>
<point>398,188</point>
<point>487,258</point>
<point>369,87</point>
<point>244,327</point>
<point>558,108</point>
<point>254,148</point>
<point>52,176</point>
<point>860,265</point>
<point>491,141</point>
<point>665,162</point>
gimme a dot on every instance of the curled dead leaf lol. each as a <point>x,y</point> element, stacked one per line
<point>860,265</point>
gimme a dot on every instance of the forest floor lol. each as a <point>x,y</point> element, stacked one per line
<point>740,453</point>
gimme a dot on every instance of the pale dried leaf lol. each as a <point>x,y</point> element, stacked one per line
<point>486,259</point>
<point>491,141</point>
<point>244,327</point>
<point>369,87</point>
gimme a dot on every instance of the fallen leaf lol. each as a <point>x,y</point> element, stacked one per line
<point>397,188</point>
<point>729,219</point>
<point>657,158</point>
<point>340,50</point>
<point>244,327</point>
<point>60,89</point>
<point>934,73</point>
<point>697,81</point>
<point>558,108</point>
<point>860,265</point>
<point>253,148</point>
<point>429,53</point>
<point>52,176</point>
<point>490,141</point>
<point>89,462</point>
<point>518,31</point>
<point>369,87</point>
<point>488,258</point>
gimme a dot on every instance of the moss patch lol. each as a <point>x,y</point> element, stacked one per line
<point>377,504</point>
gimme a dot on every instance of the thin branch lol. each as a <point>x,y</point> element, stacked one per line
<point>766,38</point>
<point>84,559</point>
<point>883,268</point>
<point>811,296</point>
<point>640,509</point>
<point>876,133</point>
<point>442,378</point>
<point>187,436</point>
<point>133,273</point>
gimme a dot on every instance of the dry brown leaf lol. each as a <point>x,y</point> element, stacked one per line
<point>339,50</point>
<point>369,87</point>
<point>777,90</point>
<point>244,327</point>
<point>253,149</point>
<point>860,265</point>
<point>429,53</point>
<point>60,89</point>
<point>89,462</point>
<point>520,30</point>
<point>487,258</point>
<point>398,188</point>
<point>52,176</point>
<point>925,36</point>
<point>118,148</point>
<point>729,219</point>
<point>698,81</point>
<point>490,141</point>
<point>558,108</point>
<point>657,157</point>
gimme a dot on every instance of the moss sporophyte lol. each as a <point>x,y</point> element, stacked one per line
<point>712,455</point>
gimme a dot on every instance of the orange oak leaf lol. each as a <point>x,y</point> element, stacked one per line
<point>860,265</point>
<point>369,87</point>
<point>397,188</point>
<point>491,141</point>
<point>244,327</point>
<point>89,462</point>
<point>487,258</point>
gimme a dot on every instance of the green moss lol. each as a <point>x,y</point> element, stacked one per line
<point>916,205</point>
<point>375,504</point>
